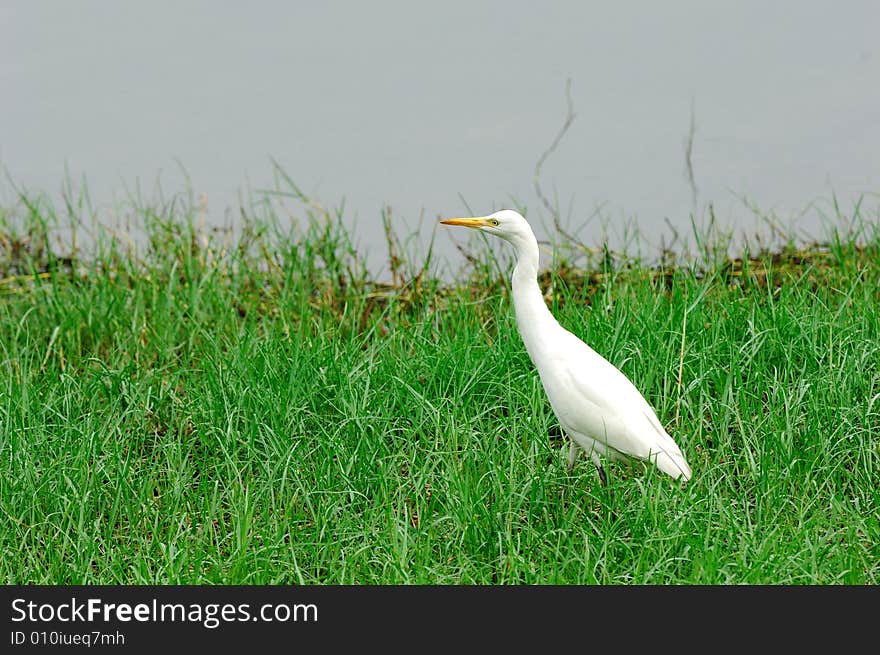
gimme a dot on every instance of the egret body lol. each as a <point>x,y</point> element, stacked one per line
<point>599,409</point>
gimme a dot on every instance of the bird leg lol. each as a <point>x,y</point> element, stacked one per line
<point>573,451</point>
<point>598,462</point>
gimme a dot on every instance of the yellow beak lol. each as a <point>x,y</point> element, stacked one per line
<point>478,221</point>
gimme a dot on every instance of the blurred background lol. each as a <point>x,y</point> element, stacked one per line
<point>434,110</point>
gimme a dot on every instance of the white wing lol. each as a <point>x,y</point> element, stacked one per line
<point>593,398</point>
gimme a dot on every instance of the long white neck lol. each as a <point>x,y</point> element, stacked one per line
<point>532,316</point>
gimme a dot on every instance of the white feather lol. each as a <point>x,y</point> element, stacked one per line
<point>597,406</point>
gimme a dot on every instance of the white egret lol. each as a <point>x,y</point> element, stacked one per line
<point>599,409</point>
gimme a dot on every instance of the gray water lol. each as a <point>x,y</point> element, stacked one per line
<point>428,106</point>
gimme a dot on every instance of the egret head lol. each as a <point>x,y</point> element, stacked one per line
<point>507,224</point>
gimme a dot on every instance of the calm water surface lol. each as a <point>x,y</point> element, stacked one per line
<point>428,107</point>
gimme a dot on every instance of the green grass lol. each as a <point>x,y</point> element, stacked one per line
<point>260,411</point>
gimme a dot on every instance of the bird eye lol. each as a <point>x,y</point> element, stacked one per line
<point>494,222</point>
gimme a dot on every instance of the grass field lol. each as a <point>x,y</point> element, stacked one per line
<point>197,410</point>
